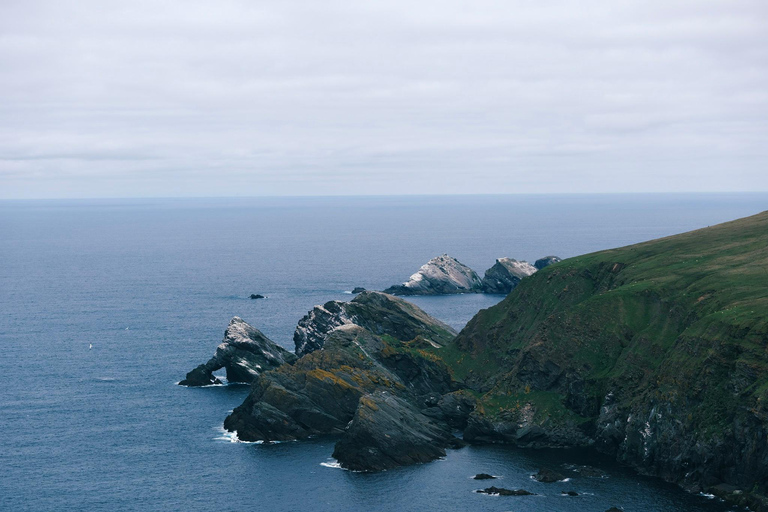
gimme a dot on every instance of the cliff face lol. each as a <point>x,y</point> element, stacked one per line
<point>656,353</point>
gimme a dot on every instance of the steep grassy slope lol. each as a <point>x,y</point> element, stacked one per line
<point>656,352</point>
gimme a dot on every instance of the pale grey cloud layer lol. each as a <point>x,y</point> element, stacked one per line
<point>179,98</point>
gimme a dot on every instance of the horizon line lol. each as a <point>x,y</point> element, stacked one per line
<point>332,196</point>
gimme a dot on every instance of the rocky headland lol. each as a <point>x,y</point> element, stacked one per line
<point>653,353</point>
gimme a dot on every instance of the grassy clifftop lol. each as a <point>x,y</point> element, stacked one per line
<point>657,352</point>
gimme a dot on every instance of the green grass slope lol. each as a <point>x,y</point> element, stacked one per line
<point>658,352</point>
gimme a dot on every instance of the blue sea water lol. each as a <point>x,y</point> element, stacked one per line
<point>151,285</point>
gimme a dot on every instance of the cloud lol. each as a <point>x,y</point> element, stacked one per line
<point>298,97</point>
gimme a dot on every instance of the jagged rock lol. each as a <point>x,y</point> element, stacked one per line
<point>505,274</point>
<point>548,476</point>
<point>500,491</point>
<point>378,312</point>
<point>358,289</point>
<point>441,275</point>
<point>484,476</point>
<point>546,261</point>
<point>388,431</point>
<point>245,352</point>
<point>320,392</point>
<point>257,296</point>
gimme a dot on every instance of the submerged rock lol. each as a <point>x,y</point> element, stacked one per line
<point>500,491</point>
<point>387,431</point>
<point>257,296</point>
<point>546,261</point>
<point>245,353</point>
<point>439,276</point>
<point>548,476</point>
<point>484,476</point>
<point>569,493</point>
<point>378,312</point>
<point>505,274</point>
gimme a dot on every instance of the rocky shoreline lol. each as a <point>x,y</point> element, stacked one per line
<point>572,358</point>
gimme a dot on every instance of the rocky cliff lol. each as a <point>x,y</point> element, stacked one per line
<point>439,276</point>
<point>655,353</point>
<point>245,353</point>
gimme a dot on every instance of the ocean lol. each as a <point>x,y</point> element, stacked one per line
<point>106,304</point>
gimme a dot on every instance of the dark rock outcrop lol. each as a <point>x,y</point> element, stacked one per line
<point>500,491</point>
<point>546,261</point>
<point>320,393</point>
<point>245,353</point>
<point>377,312</point>
<point>439,276</point>
<point>548,476</point>
<point>484,476</point>
<point>257,296</point>
<point>569,493</point>
<point>505,274</point>
<point>388,431</point>
<point>358,289</point>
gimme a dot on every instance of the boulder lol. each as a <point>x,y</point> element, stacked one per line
<point>505,274</point>
<point>245,353</point>
<point>439,276</point>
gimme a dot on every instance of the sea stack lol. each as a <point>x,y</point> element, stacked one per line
<point>441,275</point>
<point>505,274</point>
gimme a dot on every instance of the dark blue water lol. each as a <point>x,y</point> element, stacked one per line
<point>152,284</point>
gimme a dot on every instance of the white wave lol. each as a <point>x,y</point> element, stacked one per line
<point>707,495</point>
<point>335,464</point>
<point>231,437</point>
<point>348,292</point>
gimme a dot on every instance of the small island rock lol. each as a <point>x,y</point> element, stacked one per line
<point>484,476</point>
<point>358,289</point>
<point>505,274</point>
<point>548,476</point>
<point>257,296</point>
<point>441,275</point>
<point>500,491</point>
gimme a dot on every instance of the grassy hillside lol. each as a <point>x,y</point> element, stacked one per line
<point>675,328</point>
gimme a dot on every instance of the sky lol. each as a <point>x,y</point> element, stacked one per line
<point>247,98</point>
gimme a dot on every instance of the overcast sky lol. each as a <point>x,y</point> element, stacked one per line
<point>188,98</point>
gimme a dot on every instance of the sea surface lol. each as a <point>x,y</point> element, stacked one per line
<point>106,304</point>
